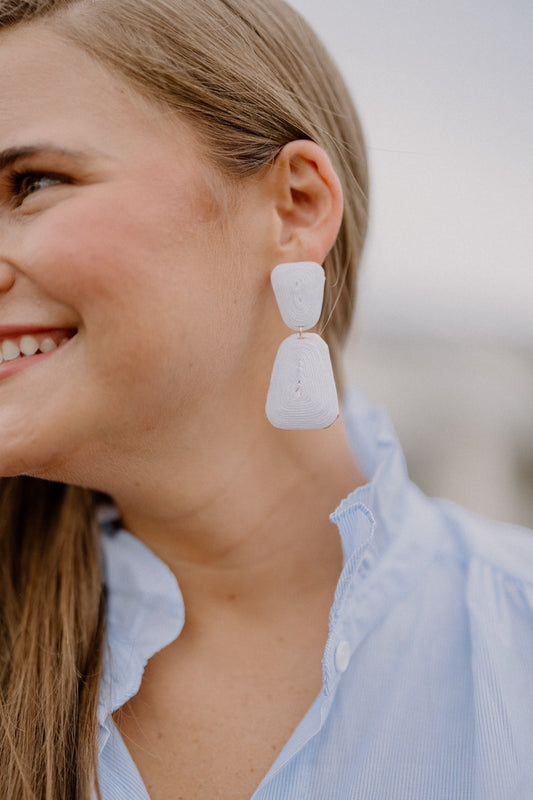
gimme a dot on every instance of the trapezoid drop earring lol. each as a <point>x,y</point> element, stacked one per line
<point>302,393</point>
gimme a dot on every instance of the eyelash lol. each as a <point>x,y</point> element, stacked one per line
<point>17,177</point>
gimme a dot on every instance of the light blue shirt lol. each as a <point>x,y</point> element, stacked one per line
<point>428,669</point>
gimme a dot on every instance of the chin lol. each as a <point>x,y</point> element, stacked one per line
<point>13,468</point>
<point>32,458</point>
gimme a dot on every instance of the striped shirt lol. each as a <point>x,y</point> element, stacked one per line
<point>428,669</point>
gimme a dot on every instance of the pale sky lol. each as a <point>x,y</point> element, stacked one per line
<point>445,93</point>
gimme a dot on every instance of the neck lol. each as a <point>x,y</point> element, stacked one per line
<point>246,521</point>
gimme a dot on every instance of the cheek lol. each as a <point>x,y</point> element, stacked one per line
<point>155,275</point>
<point>109,246</point>
<point>84,247</point>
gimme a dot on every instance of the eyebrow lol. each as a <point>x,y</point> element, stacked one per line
<point>13,154</point>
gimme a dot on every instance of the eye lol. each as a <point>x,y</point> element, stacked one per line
<point>24,184</point>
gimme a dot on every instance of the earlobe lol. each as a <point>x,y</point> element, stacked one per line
<point>309,202</point>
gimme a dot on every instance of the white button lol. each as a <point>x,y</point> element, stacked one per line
<point>342,656</point>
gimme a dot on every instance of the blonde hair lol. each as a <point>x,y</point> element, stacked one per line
<point>51,639</point>
<point>251,76</point>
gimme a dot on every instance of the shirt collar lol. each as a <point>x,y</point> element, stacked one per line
<point>379,455</point>
<point>145,613</point>
<point>368,522</point>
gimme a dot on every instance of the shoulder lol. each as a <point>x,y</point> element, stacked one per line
<point>436,553</point>
<point>481,572</point>
<point>505,549</point>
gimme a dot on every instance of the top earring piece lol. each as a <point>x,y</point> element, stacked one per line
<point>299,290</point>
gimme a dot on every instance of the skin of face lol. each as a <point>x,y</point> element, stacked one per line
<point>127,243</point>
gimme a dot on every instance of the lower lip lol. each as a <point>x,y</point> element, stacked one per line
<point>8,368</point>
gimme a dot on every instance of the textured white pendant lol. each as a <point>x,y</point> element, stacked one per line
<point>302,393</point>
<point>299,290</point>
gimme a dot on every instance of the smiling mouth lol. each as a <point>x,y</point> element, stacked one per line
<point>15,348</point>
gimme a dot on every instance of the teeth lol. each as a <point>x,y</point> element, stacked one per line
<point>28,345</point>
<point>10,350</point>
<point>47,344</point>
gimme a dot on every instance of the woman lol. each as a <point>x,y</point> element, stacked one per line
<point>158,161</point>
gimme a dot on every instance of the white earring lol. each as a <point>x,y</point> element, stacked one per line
<point>302,393</point>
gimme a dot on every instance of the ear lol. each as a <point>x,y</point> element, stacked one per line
<point>309,202</point>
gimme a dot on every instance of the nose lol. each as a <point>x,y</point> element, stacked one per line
<point>7,276</point>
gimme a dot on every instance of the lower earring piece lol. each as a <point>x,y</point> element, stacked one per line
<point>302,393</point>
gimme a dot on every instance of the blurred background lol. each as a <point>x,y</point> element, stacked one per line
<point>444,329</point>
